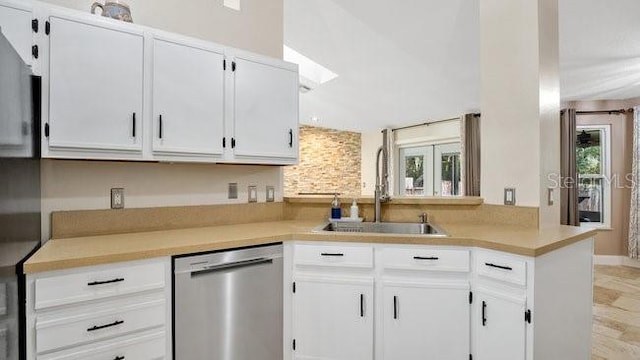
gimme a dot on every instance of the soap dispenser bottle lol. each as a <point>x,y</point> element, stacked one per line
<point>354,210</point>
<point>336,211</point>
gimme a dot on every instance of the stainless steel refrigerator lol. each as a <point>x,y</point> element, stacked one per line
<point>19,191</point>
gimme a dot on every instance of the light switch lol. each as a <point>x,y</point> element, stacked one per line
<point>550,199</point>
<point>253,194</point>
<point>509,196</point>
<point>271,194</point>
<point>232,4</point>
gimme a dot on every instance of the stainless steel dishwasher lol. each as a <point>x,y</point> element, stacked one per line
<point>228,305</point>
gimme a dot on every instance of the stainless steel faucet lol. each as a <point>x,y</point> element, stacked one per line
<point>381,193</point>
<point>424,218</point>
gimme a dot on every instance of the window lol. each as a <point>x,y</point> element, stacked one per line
<point>592,157</point>
<point>431,170</point>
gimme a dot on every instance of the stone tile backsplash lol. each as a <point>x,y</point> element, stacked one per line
<point>329,162</point>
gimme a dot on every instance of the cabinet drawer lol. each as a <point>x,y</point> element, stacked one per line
<point>98,284</point>
<point>149,346</point>
<point>502,268</point>
<point>424,259</point>
<point>330,255</point>
<point>79,326</point>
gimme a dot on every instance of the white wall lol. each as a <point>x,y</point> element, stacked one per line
<point>258,27</point>
<point>84,185</point>
<point>520,101</point>
<point>371,141</point>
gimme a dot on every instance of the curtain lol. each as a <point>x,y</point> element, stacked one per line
<point>569,214</point>
<point>470,143</point>
<point>634,224</point>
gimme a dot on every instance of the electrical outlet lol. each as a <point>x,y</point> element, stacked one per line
<point>271,194</point>
<point>117,198</point>
<point>509,196</point>
<point>233,190</point>
<point>253,193</point>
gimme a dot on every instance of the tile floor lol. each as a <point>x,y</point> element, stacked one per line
<point>616,313</point>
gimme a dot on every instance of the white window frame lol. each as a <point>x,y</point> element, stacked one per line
<point>438,150</point>
<point>605,162</point>
<point>427,175</point>
<point>430,174</point>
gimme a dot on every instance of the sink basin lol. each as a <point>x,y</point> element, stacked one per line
<point>383,228</point>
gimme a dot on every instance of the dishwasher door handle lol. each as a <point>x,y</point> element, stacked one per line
<point>232,265</point>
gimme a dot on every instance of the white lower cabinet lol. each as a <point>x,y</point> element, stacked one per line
<point>144,346</point>
<point>415,297</point>
<point>429,302</point>
<point>332,302</point>
<point>117,311</point>
<point>426,321</point>
<point>333,319</point>
<point>500,329</point>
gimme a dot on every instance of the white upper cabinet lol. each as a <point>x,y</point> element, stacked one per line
<point>426,321</point>
<point>15,25</point>
<point>121,91</point>
<point>95,85</point>
<point>188,98</point>
<point>265,110</point>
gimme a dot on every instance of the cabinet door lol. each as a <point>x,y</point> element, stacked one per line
<point>188,94</point>
<point>96,86</point>
<point>333,320</point>
<point>265,110</point>
<point>15,102</point>
<point>424,321</point>
<point>15,25</point>
<point>499,327</point>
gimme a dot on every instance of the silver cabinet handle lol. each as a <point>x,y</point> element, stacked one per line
<point>233,265</point>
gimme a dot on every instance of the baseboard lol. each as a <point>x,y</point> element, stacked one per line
<point>608,259</point>
<point>615,260</point>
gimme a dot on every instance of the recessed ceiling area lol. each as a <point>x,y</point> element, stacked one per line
<point>408,61</point>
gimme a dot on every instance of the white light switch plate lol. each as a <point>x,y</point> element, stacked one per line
<point>232,4</point>
<point>509,196</point>
<point>271,194</point>
<point>253,194</point>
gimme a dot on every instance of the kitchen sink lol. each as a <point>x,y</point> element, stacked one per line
<point>423,229</point>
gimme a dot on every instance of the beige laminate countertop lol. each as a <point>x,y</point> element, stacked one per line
<point>59,254</point>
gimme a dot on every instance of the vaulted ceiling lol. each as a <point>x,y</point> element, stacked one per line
<point>408,61</point>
